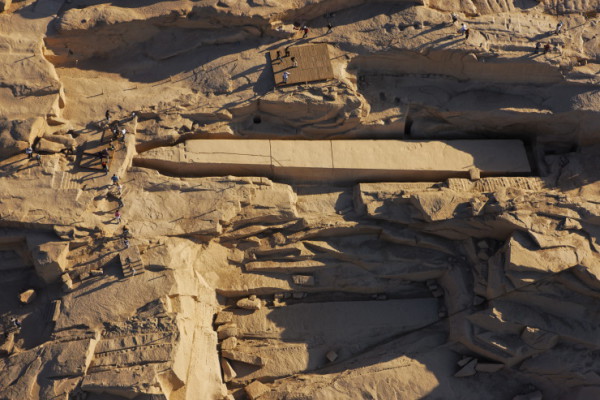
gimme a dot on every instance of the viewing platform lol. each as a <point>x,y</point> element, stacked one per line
<point>313,60</point>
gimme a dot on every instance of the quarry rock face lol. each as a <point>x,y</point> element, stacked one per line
<point>413,211</point>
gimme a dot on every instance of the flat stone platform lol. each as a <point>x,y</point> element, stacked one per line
<point>339,161</point>
<point>313,60</point>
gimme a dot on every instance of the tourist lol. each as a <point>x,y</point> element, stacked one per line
<point>467,32</point>
<point>285,76</point>
<point>546,48</point>
<point>278,58</point>
<point>107,115</point>
<point>38,158</point>
<point>305,29</point>
<point>125,232</point>
<point>454,17</point>
<point>104,167</point>
<point>329,27</point>
<point>118,216</point>
<point>287,51</point>
<point>126,241</point>
<point>538,45</point>
<point>119,189</point>
<point>463,28</point>
<point>558,28</point>
<point>294,62</point>
<point>115,179</point>
<point>29,151</point>
<point>15,322</point>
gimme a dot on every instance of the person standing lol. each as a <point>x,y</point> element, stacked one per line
<point>305,29</point>
<point>467,32</point>
<point>329,27</point>
<point>558,28</point>
<point>538,46</point>
<point>29,151</point>
<point>285,77</point>
<point>294,62</point>
<point>114,179</point>
<point>38,158</point>
<point>454,17</point>
<point>463,28</point>
<point>107,115</point>
<point>118,216</point>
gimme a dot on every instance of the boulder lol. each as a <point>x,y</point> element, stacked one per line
<point>49,259</point>
<point>27,296</point>
<point>256,389</point>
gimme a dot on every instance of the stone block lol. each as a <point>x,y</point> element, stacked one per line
<point>303,280</point>
<point>229,343</point>
<point>331,356</point>
<point>226,331</point>
<point>49,259</point>
<point>46,146</point>
<point>256,389</point>
<point>224,317</point>
<point>243,357</point>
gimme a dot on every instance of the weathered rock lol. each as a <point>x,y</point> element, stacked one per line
<point>5,4</point>
<point>46,146</point>
<point>229,344</point>
<point>7,346</point>
<point>539,339</point>
<point>537,395</point>
<point>27,296</point>
<point>49,259</point>
<point>228,372</point>
<point>227,330</point>
<point>224,317</point>
<point>303,280</point>
<point>249,304</point>
<point>256,389</point>
<point>244,357</point>
<point>331,356</point>
<point>488,367</point>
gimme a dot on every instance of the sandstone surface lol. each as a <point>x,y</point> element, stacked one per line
<point>424,225</point>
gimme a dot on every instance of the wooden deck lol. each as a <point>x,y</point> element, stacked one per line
<point>313,60</point>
